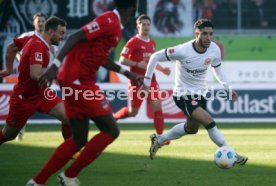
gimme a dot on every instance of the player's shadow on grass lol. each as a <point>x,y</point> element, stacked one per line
<point>18,163</point>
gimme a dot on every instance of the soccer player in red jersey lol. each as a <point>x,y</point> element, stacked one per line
<point>14,50</point>
<point>28,97</point>
<point>86,50</point>
<point>136,54</point>
<point>17,45</point>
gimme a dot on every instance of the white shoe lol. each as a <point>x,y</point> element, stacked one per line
<point>154,146</point>
<point>33,183</point>
<point>62,180</point>
<point>241,160</point>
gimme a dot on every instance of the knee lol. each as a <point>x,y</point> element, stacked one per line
<point>80,141</point>
<point>190,130</point>
<point>115,133</point>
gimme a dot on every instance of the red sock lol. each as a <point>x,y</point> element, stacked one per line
<point>123,113</point>
<point>159,121</point>
<point>91,151</point>
<point>66,130</point>
<point>2,139</point>
<point>60,157</point>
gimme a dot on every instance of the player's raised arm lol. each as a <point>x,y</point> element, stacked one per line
<point>157,56</point>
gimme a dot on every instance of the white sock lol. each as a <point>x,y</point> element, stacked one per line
<point>217,137</point>
<point>174,133</point>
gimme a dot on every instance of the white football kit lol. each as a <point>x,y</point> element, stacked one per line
<point>191,67</point>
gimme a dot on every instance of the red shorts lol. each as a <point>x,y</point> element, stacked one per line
<point>136,99</point>
<point>22,109</point>
<point>84,101</point>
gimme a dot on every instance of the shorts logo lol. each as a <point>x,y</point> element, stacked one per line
<point>194,103</point>
<point>105,104</point>
<point>93,27</point>
<point>38,56</point>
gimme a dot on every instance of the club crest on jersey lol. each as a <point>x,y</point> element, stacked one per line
<point>194,103</point>
<point>92,27</point>
<point>207,61</point>
<point>171,50</point>
<point>38,56</point>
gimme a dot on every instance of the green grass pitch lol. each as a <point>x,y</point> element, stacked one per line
<point>187,161</point>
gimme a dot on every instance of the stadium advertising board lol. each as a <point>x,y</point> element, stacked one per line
<point>256,103</point>
<point>167,18</point>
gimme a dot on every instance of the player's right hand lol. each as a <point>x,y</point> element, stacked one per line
<point>6,72</point>
<point>47,78</point>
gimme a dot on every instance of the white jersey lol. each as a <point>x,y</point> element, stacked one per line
<point>191,67</point>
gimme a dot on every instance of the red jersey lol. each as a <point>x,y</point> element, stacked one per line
<point>35,51</point>
<point>138,49</point>
<point>83,61</point>
<point>23,39</point>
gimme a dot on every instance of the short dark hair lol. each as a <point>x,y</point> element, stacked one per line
<point>142,17</point>
<point>38,14</point>
<point>53,22</point>
<point>125,4</point>
<point>202,23</point>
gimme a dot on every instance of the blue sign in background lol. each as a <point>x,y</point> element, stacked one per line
<point>250,104</point>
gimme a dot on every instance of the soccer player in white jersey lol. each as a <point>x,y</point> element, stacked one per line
<point>192,61</point>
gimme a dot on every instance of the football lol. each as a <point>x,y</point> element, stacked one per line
<point>225,157</point>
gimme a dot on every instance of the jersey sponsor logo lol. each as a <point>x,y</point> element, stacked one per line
<point>207,61</point>
<point>125,50</point>
<point>197,71</point>
<point>93,27</point>
<point>38,56</point>
<point>143,47</point>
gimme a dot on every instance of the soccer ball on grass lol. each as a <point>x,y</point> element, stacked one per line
<point>225,157</point>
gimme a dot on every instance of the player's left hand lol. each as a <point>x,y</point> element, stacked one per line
<point>143,91</point>
<point>136,78</point>
<point>166,71</point>
<point>47,78</point>
<point>234,95</point>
